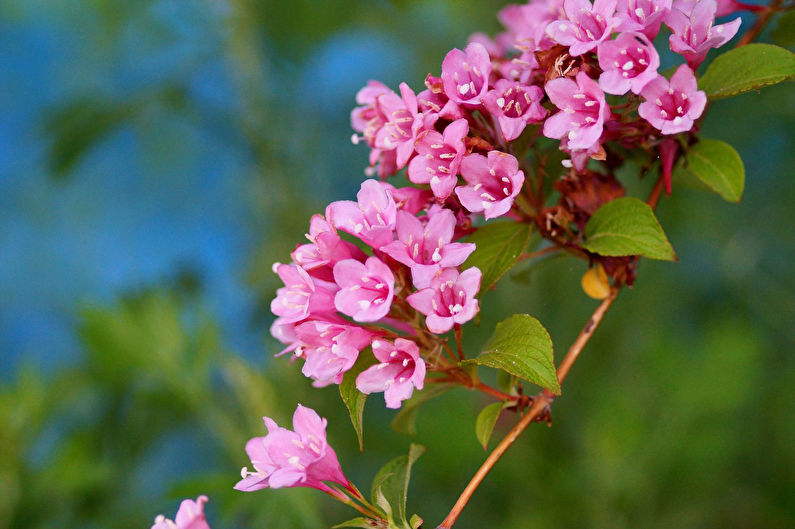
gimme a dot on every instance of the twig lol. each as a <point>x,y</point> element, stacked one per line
<point>540,404</point>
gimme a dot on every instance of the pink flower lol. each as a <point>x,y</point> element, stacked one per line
<point>465,74</point>
<point>643,16</point>
<point>189,516</point>
<point>694,34</point>
<point>449,300</point>
<point>426,249</point>
<point>439,156</point>
<point>514,105</point>
<point>325,249</point>
<point>366,118</point>
<point>403,123</point>
<point>584,111</point>
<point>528,23</point>
<point>587,25</point>
<point>366,290</point>
<point>330,349</point>
<point>493,183</point>
<point>300,458</point>
<point>400,371</point>
<point>629,62</point>
<point>301,294</point>
<point>672,107</point>
<point>372,218</point>
<point>433,99</point>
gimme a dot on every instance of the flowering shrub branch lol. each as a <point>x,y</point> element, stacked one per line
<point>530,127</point>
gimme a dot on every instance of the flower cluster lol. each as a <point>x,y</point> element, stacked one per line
<point>553,67</point>
<point>339,297</point>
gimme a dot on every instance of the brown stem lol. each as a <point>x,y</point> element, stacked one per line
<point>457,332</point>
<point>656,191</point>
<point>540,404</point>
<point>539,253</point>
<point>760,23</point>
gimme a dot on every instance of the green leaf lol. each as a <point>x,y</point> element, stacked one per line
<point>415,522</point>
<point>484,424</point>
<point>627,226</point>
<point>391,484</point>
<point>746,68</point>
<point>352,397</point>
<point>521,346</point>
<point>719,166</point>
<point>499,246</point>
<point>404,421</point>
<point>360,522</point>
<point>784,33</point>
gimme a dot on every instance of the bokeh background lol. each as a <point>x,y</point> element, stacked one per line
<point>157,156</point>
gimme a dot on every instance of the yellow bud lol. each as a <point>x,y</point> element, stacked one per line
<point>595,283</point>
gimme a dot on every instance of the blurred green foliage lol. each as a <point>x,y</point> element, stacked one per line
<point>679,414</point>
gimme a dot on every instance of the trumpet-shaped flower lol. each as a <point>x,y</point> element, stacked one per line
<point>325,249</point>
<point>493,183</point>
<point>403,122</point>
<point>449,300</point>
<point>372,218</point>
<point>401,370</point>
<point>438,158</point>
<point>299,458</point>
<point>585,26</point>
<point>427,248</point>
<point>366,289</point>
<point>301,295</point>
<point>465,74</point>
<point>330,348</point>
<point>629,62</point>
<point>672,107</point>
<point>643,16</point>
<point>514,105</point>
<point>694,34</point>
<point>583,111</point>
<point>189,516</point>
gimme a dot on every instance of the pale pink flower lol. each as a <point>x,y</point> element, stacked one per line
<point>366,290</point>
<point>449,300</point>
<point>694,34</point>
<point>438,158</point>
<point>585,26</point>
<point>493,183</point>
<point>403,122</point>
<point>366,118</point>
<point>433,99</point>
<point>330,348</point>
<point>427,248</point>
<point>301,294</point>
<point>583,111</point>
<point>629,62</point>
<point>325,249</point>
<point>300,458</point>
<point>527,23</point>
<point>672,107</point>
<point>643,16</point>
<point>284,331</point>
<point>514,105</point>
<point>401,370</point>
<point>189,516</point>
<point>465,74</point>
<point>372,218</point>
